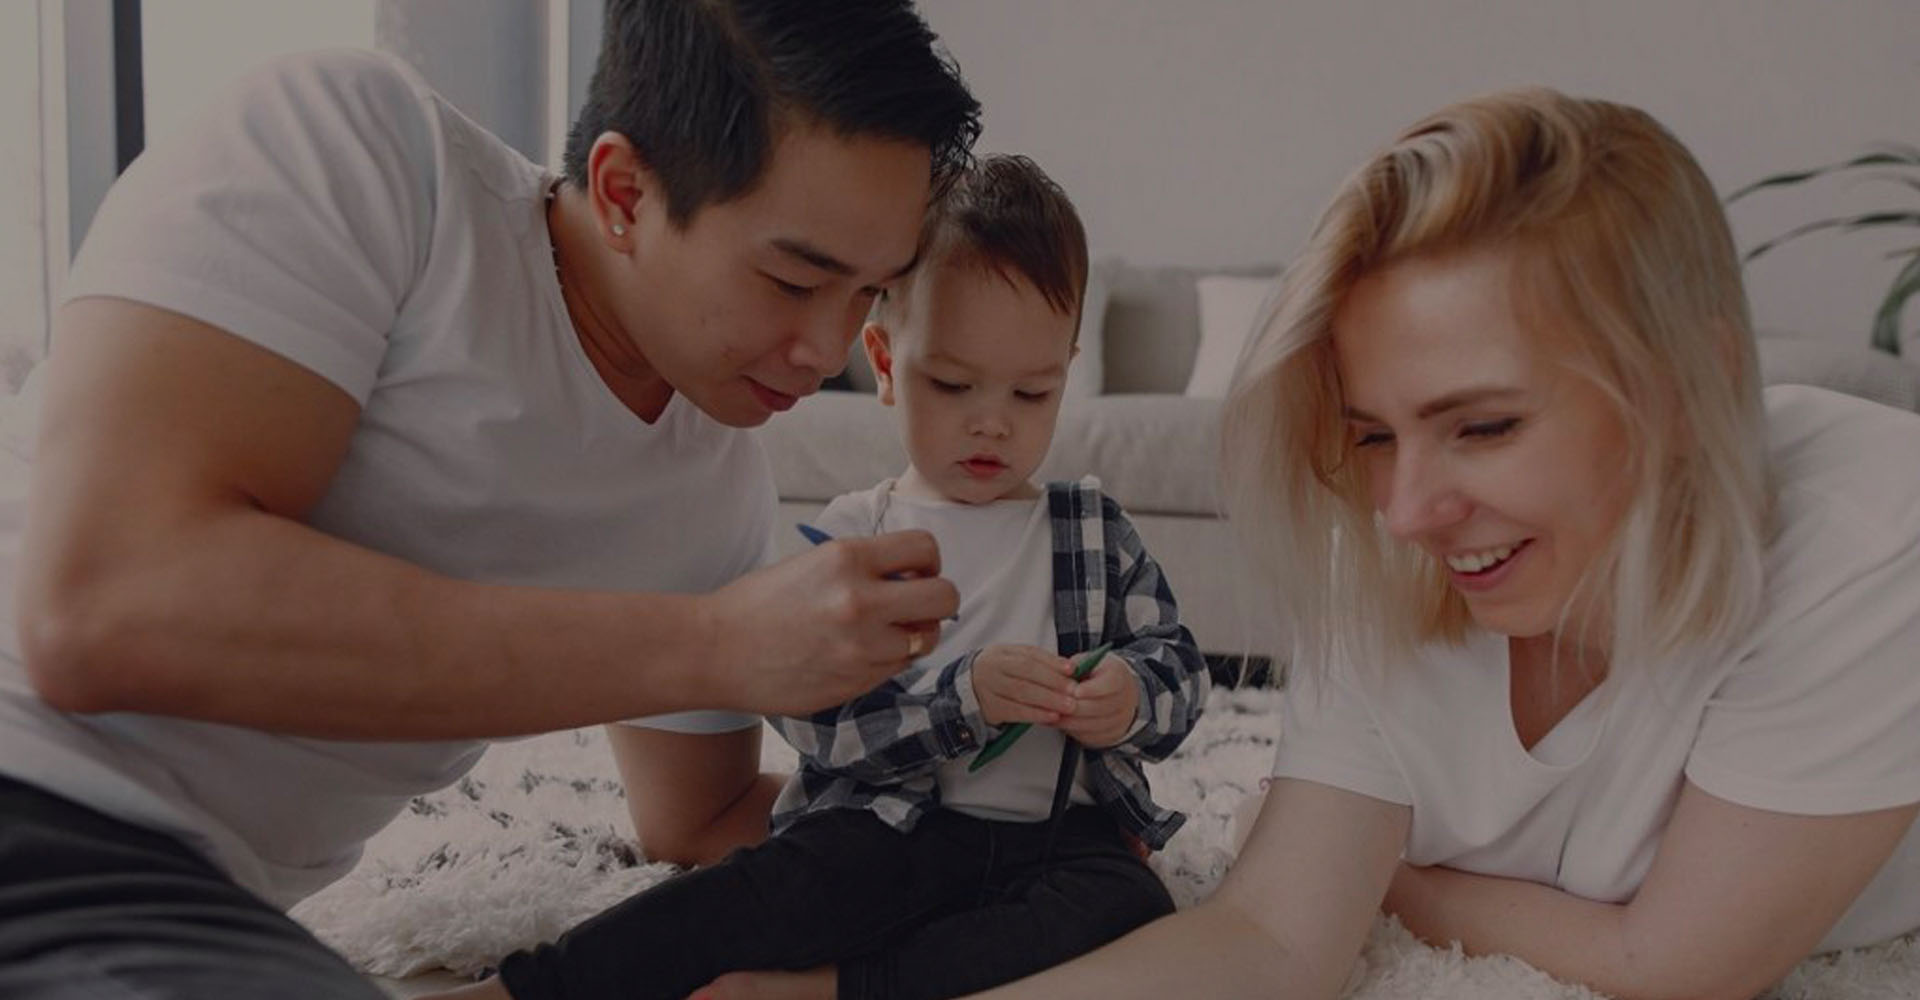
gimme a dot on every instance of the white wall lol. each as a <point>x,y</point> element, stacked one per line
<point>1210,132</point>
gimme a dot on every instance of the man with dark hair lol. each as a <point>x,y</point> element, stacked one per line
<point>366,440</point>
<point>899,868</point>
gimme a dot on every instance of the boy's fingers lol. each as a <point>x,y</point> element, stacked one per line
<point>1038,695</point>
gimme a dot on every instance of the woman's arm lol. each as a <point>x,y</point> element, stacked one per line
<point>1287,922</point>
<point>1735,897</point>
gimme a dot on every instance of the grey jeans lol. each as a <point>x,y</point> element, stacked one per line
<point>92,908</point>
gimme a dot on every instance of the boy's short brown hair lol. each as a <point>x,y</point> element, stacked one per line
<point>1007,216</point>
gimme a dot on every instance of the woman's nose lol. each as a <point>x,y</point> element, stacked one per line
<point>1421,498</point>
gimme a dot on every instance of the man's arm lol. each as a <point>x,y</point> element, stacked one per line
<point>1735,897</point>
<point>694,797</point>
<point>166,571</point>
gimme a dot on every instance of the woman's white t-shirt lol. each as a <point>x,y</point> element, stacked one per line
<point>1817,713</point>
<point>338,213</point>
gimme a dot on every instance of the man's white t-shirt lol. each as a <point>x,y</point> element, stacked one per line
<point>1817,713</point>
<point>999,556</point>
<point>335,211</point>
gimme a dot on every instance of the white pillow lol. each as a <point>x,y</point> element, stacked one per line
<point>1229,305</point>
<point>1087,375</point>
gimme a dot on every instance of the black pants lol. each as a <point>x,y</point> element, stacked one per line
<point>958,905</point>
<point>91,907</point>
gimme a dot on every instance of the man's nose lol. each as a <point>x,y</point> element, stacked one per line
<point>823,341</point>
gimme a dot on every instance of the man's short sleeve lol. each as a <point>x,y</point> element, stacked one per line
<point>296,213</point>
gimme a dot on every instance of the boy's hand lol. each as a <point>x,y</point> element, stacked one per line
<point>1104,704</point>
<point>1022,684</point>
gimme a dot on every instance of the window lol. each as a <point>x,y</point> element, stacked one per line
<point>85,84</point>
<point>190,49</point>
<point>25,285</point>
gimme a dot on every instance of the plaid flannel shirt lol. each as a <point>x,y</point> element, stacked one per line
<point>881,750</point>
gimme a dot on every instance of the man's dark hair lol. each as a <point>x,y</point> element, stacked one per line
<point>1005,215</point>
<point>702,88</point>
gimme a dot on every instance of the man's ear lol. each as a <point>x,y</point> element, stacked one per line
<point>619,186</point>
<point>879,347</point>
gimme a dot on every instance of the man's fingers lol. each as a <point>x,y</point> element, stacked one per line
<point>900,553</point>
<point>916,601</point>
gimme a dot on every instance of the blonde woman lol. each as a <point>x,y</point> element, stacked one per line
<point>1610,661</point>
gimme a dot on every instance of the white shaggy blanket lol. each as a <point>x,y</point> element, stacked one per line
<point>533,841</point>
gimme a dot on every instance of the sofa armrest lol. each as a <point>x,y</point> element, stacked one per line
<point>1857,371</point>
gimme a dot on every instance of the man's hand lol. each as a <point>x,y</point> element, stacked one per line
<point>1105,704</point>
<point>1022,684</point>
<point>825,625</point>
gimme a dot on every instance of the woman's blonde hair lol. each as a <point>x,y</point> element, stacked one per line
<point>1616,236</point>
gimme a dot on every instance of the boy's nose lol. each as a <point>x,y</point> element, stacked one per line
<point>989,423</point>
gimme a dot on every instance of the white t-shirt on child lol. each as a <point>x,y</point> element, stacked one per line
<point>999,556</point>
<point>1818,712</point>
<point>338,213</point>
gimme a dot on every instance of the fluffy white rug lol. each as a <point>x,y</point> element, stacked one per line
<point>533,841</point>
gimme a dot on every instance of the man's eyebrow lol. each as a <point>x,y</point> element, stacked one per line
<point>812,255</point>
<point>1450,401</point>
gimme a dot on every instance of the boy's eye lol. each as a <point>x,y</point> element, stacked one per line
<point>1490,428</point>
<point>945,386</point>
<point>1032,397</point>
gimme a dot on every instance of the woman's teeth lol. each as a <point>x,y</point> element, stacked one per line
<point>1476,562</point>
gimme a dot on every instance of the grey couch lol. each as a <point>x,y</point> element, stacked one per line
<point>1156,451</point>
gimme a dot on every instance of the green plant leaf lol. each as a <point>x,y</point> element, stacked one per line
<point>1886,321</point>
<point>1868,221</point>
<point>1891,155</point>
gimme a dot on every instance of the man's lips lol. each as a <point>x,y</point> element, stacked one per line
<point>773,399</point>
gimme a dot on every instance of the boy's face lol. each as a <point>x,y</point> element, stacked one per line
<point>756,300</point>
<point>977,371</point>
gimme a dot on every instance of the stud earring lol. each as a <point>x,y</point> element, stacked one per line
<point>619,229</point>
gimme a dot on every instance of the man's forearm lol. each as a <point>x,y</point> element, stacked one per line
<point>247,618</point>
